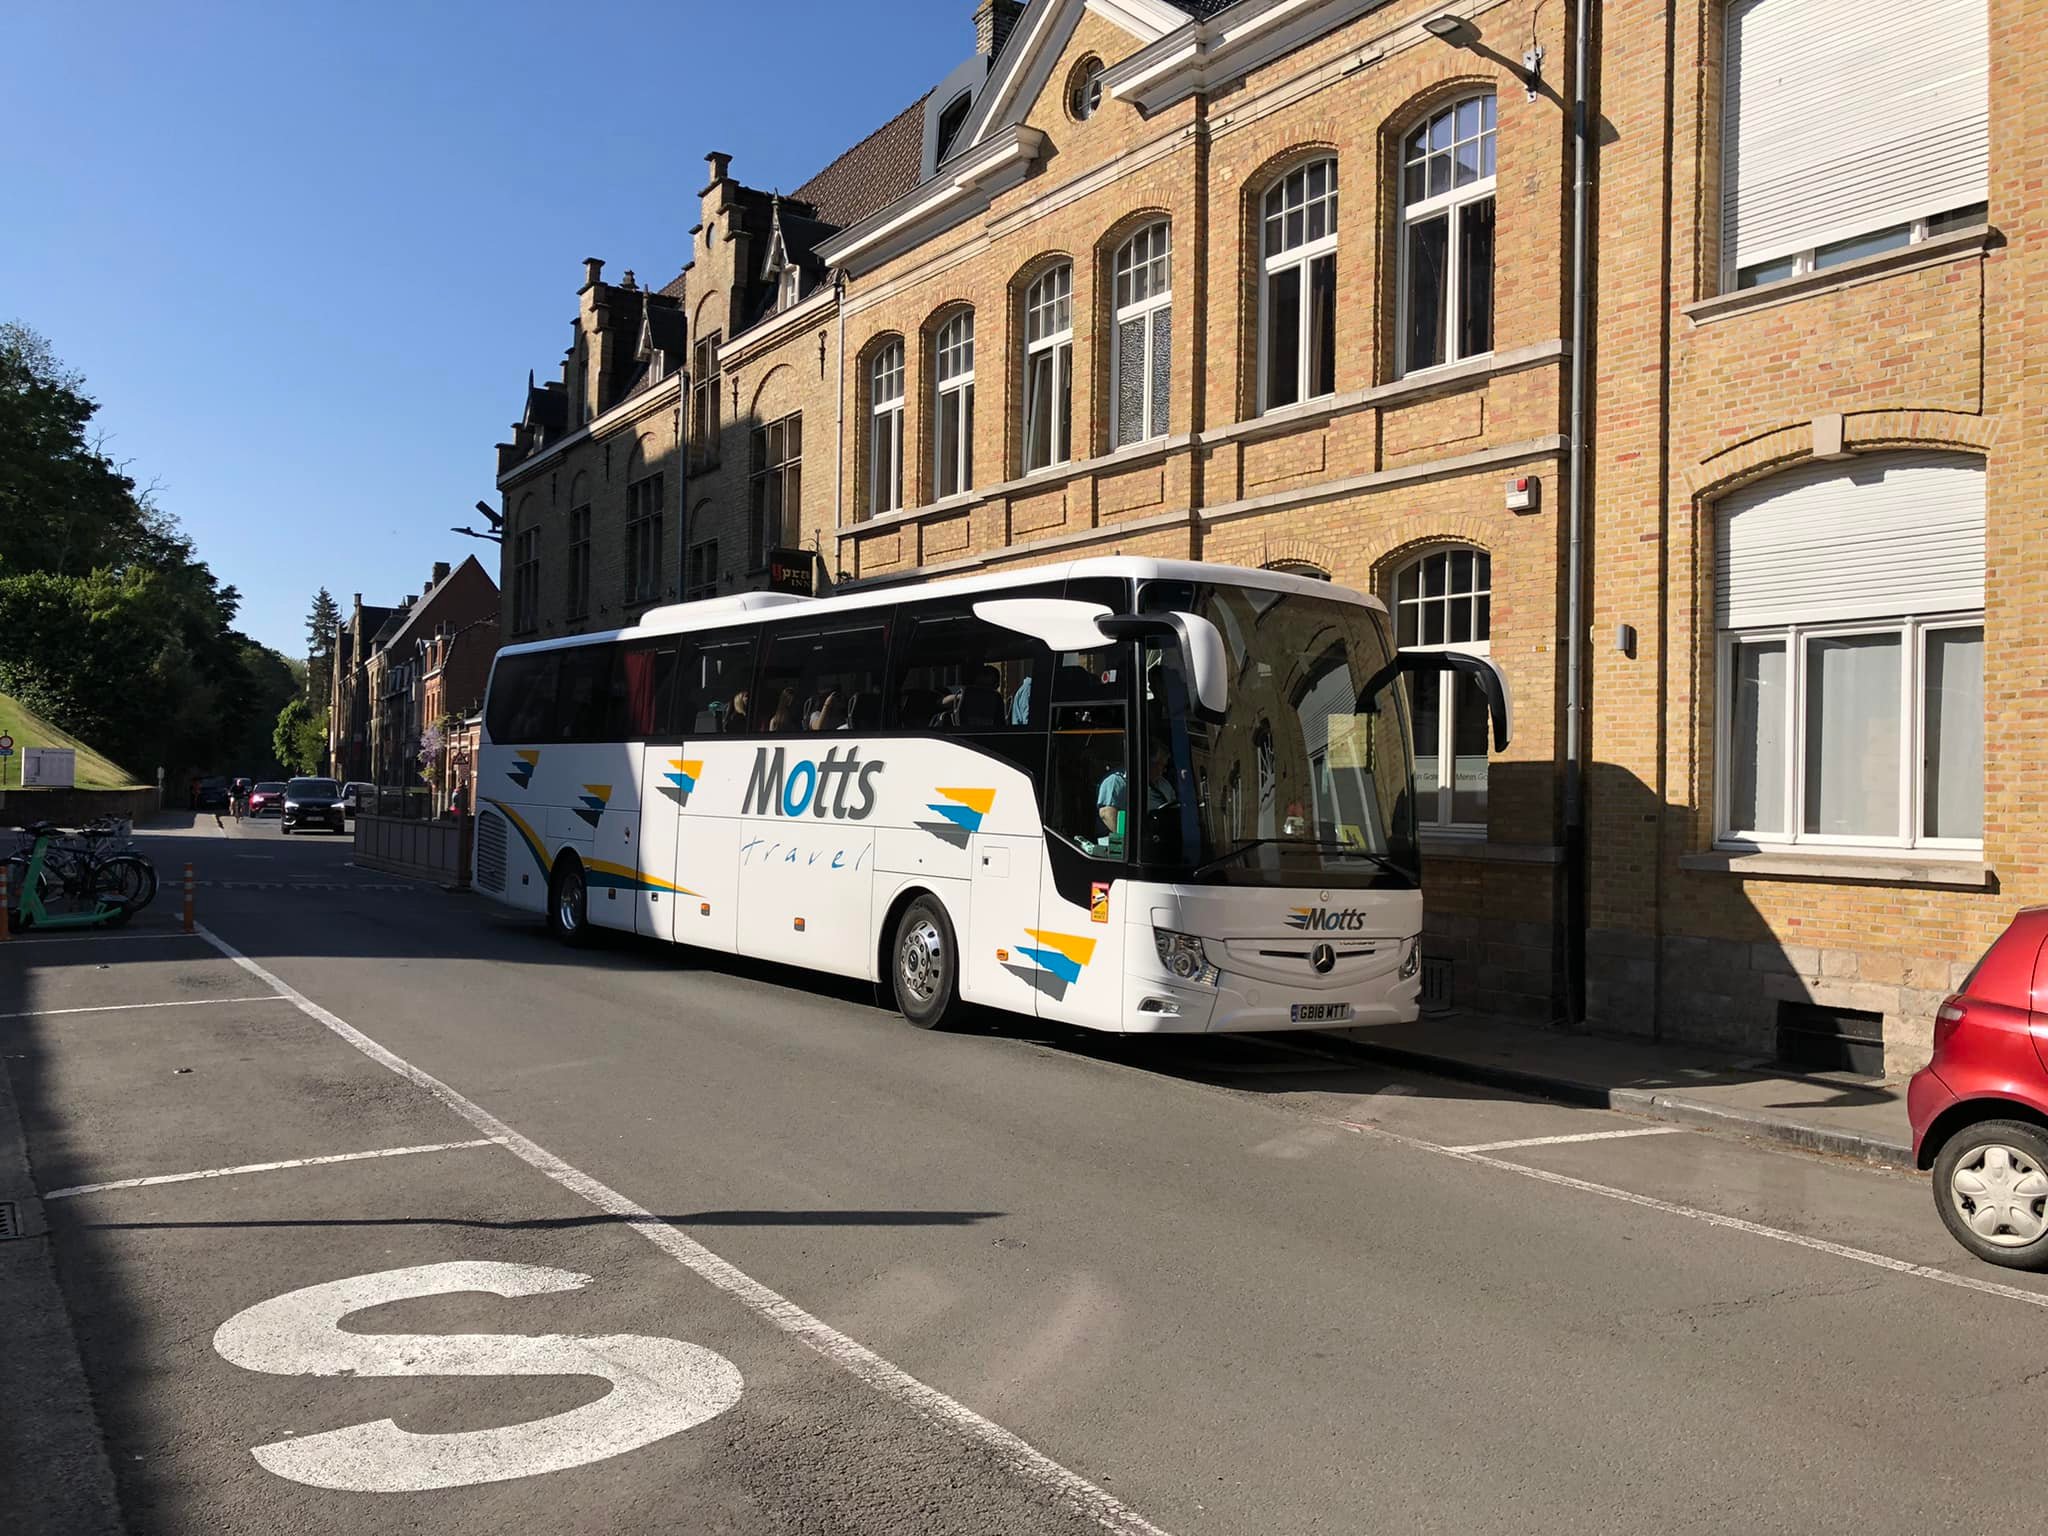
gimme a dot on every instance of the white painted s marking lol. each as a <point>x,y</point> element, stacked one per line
<point>660,1387</point>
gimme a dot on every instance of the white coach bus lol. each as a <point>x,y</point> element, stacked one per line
<point>1125,794</point>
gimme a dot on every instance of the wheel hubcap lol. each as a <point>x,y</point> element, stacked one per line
<point>921,961</point>
<point>2002,1194</point>
<point>570,907</point>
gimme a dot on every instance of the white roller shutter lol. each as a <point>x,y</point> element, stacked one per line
<point>1882,536</point>
<point>1841,117</point>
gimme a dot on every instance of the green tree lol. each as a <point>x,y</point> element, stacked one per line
<point>300,737</point>
<point>321,625</point>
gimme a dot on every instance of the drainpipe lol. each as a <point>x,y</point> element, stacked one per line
<point>839,436</point>
<point>683,475</point>
<point>1575,578</point>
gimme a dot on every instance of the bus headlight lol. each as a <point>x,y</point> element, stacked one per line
<point>1411,962</point>
<point>1183,956</point>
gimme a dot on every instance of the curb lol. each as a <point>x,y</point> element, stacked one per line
<point>1650,1104</point>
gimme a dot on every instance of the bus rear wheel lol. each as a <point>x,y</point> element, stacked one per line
<point>925,966</point>
<point>569,903</point>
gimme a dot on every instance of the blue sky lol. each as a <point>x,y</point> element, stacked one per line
<point>305,253</point>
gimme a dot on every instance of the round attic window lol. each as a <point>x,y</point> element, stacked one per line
<point>1084,89</point>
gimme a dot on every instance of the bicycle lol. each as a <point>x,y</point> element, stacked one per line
<point>110,883</point>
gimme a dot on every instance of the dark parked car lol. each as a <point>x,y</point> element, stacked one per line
<point>213,794</point>
<point>1980,1107</point>
<point>314,803</point>
<point>267,799</point>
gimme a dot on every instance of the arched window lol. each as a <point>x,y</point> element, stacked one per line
<point>1049,369</point>
<point>1142,366</point>
<point>953,406</point>
<point>885,430</point>
<point>1298,287</point>
<point>1446,285</point>
<point>1444,602</point>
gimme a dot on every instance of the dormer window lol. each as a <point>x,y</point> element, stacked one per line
<point>951,121</point>
<point>792,286</point>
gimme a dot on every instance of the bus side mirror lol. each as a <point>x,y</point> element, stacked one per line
<point>1493,683</point>
<point>1063,623</point>
<point>1203,658</point>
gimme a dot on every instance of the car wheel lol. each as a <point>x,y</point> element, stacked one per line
<point>1991,1188</point>
<point>925,966</point>
<point>569,902</point>
<point>284,829</point>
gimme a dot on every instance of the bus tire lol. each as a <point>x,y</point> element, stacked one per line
<point>924,966</point>
<point>569,901</point>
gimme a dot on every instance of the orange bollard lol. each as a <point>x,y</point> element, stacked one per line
<point>188,898</point>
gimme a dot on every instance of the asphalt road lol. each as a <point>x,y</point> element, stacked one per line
<point>844,1276</point>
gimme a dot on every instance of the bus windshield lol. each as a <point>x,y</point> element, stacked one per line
<point>1304,780</point>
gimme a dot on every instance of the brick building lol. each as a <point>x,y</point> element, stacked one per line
<point>426,658</point>
<point>1116,303</point>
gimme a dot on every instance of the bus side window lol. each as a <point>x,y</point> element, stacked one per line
<point>718,671</point>
<point>958,672</point>
<point>522,701</point>
<point>583,699</point>
<point>815,681</point>
<point>1087,800</point>
<point>646,682</point>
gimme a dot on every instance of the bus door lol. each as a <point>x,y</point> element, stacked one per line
<point>1074,956</point>
<point>650,850</point>
<point>700,780</point>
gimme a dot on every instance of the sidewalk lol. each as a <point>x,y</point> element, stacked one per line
<point>1839,1114</point>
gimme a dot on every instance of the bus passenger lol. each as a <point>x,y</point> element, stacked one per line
<point>1116,788</point>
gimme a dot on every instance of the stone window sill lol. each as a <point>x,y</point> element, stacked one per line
<point>1960,244</point>
<point>1854,869</point>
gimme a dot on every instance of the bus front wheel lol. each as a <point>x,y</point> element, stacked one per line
<point>569,903</point>
<point>925,965</point>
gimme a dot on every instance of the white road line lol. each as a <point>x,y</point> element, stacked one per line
<point>1023,1460</point>
<point>290,1162</point>
<point>1558,1141</point>
<point>179,1002</point>
<point>1710,1218</point>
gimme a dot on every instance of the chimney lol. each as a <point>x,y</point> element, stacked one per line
<point>593,270</point>
<point>993,20</point>
<point>628,283</point>
<point>718,162</point>
<point>440,573</point>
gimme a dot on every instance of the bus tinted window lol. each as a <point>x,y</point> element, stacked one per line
<point>956,672</point>
<point>1088,799</point>
<point>823,679</point>
<point>718,671</point>
<point>584,700</point>
<point>522,701</point>
<point>648,677</point>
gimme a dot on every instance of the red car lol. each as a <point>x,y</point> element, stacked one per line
<point>267,799</point>
<point>1980,1107</point>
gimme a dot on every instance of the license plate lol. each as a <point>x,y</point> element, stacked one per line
<point>1319,1013</point>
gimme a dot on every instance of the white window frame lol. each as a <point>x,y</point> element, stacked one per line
<point>1451,205</point>
<point>953,371</point>
<point>1049,331</point>
<point>1912,631</point>
<point>1442,824</point>
<point>792,285</point>
<point>1273,205</point>
<point>885,430</point>
<point>1142,288</point>
<point>1806,263</point>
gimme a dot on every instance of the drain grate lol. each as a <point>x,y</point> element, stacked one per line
<point>10,1220</point>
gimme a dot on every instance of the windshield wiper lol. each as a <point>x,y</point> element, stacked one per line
<point>1347,849</point>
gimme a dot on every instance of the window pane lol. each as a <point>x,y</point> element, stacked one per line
<point>967,437</point>
<point>1852,736</point>
<point>1425,701</point>
<point>1439,173</point>
<point>1038,423</point>
<point>1130,381</point>
<point>949,442</point>
<point>1468,750</point>
<point>1863,245</point>
<point>1427,249</point>
<point>1322,326</point>
<point>1283,337</point>
<point>1435,573</point>
<point>1162,368</point>
<point>1756,737</point>
<point>1063,404</point>
<point>1475,278</point>
<point>1952,748</point>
